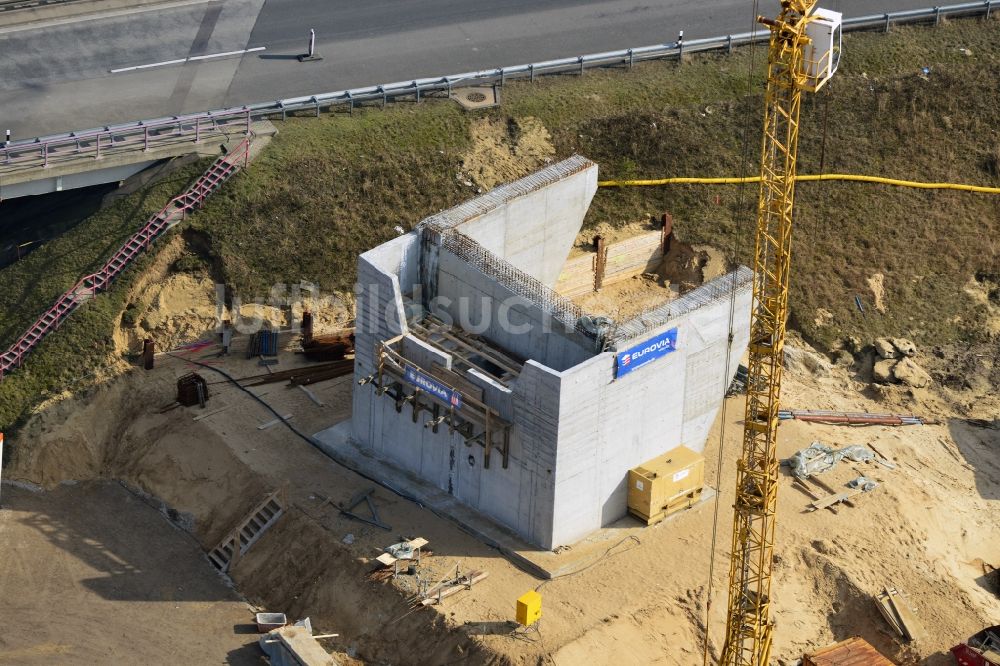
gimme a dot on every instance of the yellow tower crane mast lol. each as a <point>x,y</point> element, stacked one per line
<point>803,54</point>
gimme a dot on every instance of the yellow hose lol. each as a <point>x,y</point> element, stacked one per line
<point>806,178</point>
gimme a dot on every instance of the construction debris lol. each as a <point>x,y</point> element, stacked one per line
<point>192,389</point>
<point>834,498</point>
<point>852,418</point>
<point>312,396</point>
<point>296,645</point>
<point>406,551</point>
<point>329,347</point>
<point>363,496</point>
<point>205,415</point>
<point>819,457</point>
<point>309,374</point>
<point>274,422</point>
<point>800,484</point>
<point>983,649</point>
<point>897,610</point>
<point>863,483</point>
<point>452,585</point>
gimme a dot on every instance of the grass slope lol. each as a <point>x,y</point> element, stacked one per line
<point>29,287</point>
<point>329,188</point>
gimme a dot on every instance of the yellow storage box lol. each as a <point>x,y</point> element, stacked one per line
<point>529,608</point>
<point>665,484</point>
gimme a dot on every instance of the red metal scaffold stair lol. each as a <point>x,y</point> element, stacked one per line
<point>175,211</point>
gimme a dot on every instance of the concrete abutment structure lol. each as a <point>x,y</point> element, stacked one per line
<point>475,377</point>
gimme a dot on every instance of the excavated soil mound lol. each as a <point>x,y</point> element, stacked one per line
<point>503,151</point>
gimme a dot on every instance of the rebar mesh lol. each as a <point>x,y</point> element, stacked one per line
<point>517,281</point>
<point>711,292</point>
<point>504,194</point>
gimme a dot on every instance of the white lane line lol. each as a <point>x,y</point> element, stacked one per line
<point>184,60</point>
<point>227,53</point>
<point>152,64</point>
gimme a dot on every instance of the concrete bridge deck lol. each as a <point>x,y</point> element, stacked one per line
<point>106,156</point>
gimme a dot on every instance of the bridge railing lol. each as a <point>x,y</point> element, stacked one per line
<point>144,134</point>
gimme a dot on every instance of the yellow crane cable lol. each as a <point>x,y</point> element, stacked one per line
<point>801,178</point>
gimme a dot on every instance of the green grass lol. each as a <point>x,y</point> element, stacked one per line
<point>327,189</point>
<point>29,287</point>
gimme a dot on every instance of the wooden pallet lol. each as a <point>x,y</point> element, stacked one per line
<point>682,502</point>
<point>246,533</point>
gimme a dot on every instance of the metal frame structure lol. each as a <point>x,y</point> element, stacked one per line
<point>388,379</point>
<point>749,625</point>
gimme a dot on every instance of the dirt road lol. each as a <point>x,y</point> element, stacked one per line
<point>92,574</point>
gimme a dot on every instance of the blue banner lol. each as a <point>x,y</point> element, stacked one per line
<point>645,352</point>
<point>433,386</point>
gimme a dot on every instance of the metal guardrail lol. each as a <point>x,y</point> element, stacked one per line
<point>39,152</point>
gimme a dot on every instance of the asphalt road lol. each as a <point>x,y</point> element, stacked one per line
<point>56,77</point>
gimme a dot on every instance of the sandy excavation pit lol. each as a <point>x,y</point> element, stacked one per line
<point>642,268</point>
<point>624,594</point>
<point>924,528</point>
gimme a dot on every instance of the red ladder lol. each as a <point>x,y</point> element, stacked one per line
<point>175,211</point>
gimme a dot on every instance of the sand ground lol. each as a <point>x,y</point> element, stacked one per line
<point>926,528</point>
<point>92,574</point>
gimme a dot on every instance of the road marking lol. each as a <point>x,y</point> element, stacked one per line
<point>185,60</point>
<point>227,53</point>
<point>97,16</point>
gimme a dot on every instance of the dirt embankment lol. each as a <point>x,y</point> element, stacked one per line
<point>503,151</point>
<point>206,469</point>
<point>183,298</point>
<point>923,528</point>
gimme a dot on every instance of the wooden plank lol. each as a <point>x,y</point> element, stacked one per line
<point>911,626</point>
<point>827,487</point>
<point>854,651</point>
<point>797,483</point>
<point>493,355</point>
<point>835,498</point>
<point>457,381</point>
<point>468,580</point>
<point>882,601</point>
<point>312,396</point>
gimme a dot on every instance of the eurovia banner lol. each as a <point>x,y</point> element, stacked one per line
<point>432,386</point>
<point>645,352</point>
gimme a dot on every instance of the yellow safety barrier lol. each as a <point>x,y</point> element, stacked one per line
<point>804,178</point>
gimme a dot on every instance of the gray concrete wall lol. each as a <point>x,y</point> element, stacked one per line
<point>576,430</point>
<point>519,497</point>
<point>379,315</point>
<point>607,425</point>
<point>44,184</point>
<point>536,231</point>
<point>476,302</point>
<point>531,222</point>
